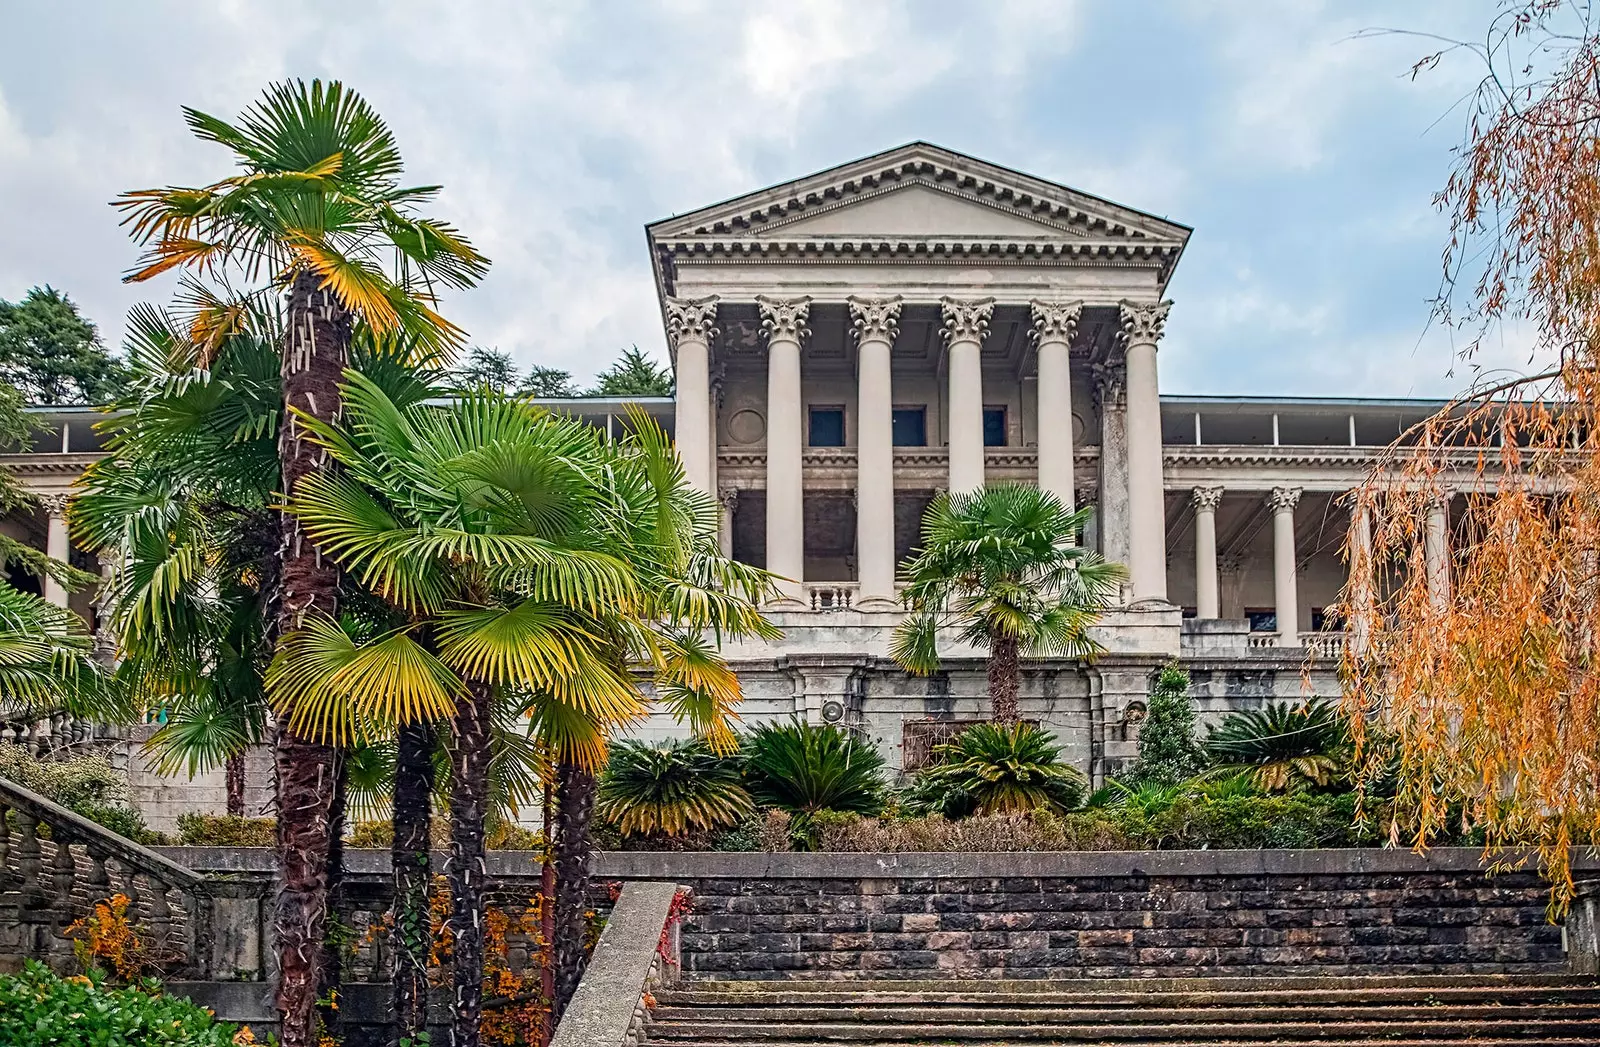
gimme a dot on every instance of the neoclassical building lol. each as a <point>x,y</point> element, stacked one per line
<point>849,343</point>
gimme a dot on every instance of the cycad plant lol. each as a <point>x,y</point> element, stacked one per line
<point>1001,567</point>
<point>670,790</point>
<point>806,768</point>
<point>1000,769</point>
<point>315,207</point>
<point>1282,746</point>
<point>533,566</point>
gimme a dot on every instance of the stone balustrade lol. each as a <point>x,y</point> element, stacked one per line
<point>55,865</point>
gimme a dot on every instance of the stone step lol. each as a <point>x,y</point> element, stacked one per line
<point>1587,1040</point>
<point>1014,1011</point>
<point>1510,1030</point>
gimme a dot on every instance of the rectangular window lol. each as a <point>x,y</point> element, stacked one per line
<point>1324,620</point>
<point>994,427</point>
<point>827,427</point>
<point>910,427</point>
<point>1262,621</point>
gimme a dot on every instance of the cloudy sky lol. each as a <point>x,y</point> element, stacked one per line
<point>1304,157</point>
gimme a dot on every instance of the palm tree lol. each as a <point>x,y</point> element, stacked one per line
<point>47,664</point>
<point>1002,566</point>
<point>535,564</point>
<point>316,208</point>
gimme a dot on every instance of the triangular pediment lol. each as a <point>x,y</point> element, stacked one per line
<point>920,192</point>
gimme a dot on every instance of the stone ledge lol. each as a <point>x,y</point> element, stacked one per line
<point>601,1013</point>
<point>759,865</point>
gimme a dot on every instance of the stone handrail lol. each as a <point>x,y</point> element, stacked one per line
<point>636,952</point>
<point>51,878</point>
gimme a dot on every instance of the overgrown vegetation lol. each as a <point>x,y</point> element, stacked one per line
<point>84,783</point>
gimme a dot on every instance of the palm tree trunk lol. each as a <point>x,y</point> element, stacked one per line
<point>331,977</point>
<point>469,792</point>
<point>1005,676</point>
<point>234,769</point>
<point>410,859</point>
<point>314,353</point>
<point>574,811</point>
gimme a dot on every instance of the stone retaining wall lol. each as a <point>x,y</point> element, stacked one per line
<point>1103,915</point>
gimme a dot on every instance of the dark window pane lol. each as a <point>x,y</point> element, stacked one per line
<point>994,427</point>
<point>827,427</point>
<point>1262,621</point>
<point>910,427</point>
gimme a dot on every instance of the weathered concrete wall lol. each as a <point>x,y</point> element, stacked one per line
<point>161,799</point>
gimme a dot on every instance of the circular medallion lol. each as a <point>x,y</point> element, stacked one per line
<point>746,427</point>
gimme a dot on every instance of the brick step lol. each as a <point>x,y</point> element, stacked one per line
<point>1510,1029</point>
<point>1012,1011</point>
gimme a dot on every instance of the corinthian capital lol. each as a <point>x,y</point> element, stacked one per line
<point>784,317</point>
<point>1055,321</point>
<point>875,318</point>
<point>54,504</point>
<point>966,319</point>
<point>1143,324</point>
<point>691,318</point>
<point>1206,499</point>
<point>1283,499</point>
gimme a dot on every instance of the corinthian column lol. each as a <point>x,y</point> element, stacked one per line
<point>784,321</point>
<point>1207,603</point>
<point>1053,325</point>
<point>1147,515</point>
<point>56,544</point>
<point>1436,551</point>
<point>876,322</point>
<point>690,331</point>
<point>1286,596</point>
<point>965,325</point>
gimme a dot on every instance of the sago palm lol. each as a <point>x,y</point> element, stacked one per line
<point>670,790</point>
<point>806,768</point>
<point>317,210</point>
<point>1281,746</point>
<point>1001,567</point>
<point>535,565</point>
<point>1006,769</point>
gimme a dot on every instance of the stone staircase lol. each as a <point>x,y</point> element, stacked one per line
<point>1423,1011</point>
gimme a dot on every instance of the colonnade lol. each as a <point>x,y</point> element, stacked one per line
<point>1281,502</point>
<point>691,327</point>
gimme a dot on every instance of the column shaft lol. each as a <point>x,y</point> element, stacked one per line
<point>875,324</point>
<point>1147,516</point>
<point>690,330</point>
<point>1207,602</point>
<point>1436,552</point>
<point>965,325</point>
<point>1285,591</point>
<point>1054,324</point>
<point>784,321</point>
<point>1361,576</point>
<point>58,546</point>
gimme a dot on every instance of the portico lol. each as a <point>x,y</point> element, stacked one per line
<point>917,321</point>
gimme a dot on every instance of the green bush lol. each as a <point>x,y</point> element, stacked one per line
<point>85,784</point>
<point>805,768</point>
<point>225,830</point>
<point>1169,750</point>
<point>37,1007</point>
<point>1283,746</point>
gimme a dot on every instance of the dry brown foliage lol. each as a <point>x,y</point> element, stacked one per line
<point>1475,678</point>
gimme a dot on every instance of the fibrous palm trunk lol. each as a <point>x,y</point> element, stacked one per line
<point>235,782</point>
<point>1005,675</point>
<point>574,812</point>
<point>469,793</point>
<point>330,979</point>
<point>409,857</point>
<point>315,347</point>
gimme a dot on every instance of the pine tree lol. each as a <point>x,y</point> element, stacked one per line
<point>1169,752</point>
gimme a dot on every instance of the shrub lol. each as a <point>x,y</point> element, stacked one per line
<point>379,835</point>
<point>38,1007</point>
<point>85,784</point>
<point>1033,831</point>
<point>803,768</point>
<point>1169,751</point>
<point>213,830</point>
<point>998,769</point>
<point>1282,746</point>
<point>670,790</point>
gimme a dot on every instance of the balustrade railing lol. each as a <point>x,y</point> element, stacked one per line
<point>832,596</point>
<point>55,865</point>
